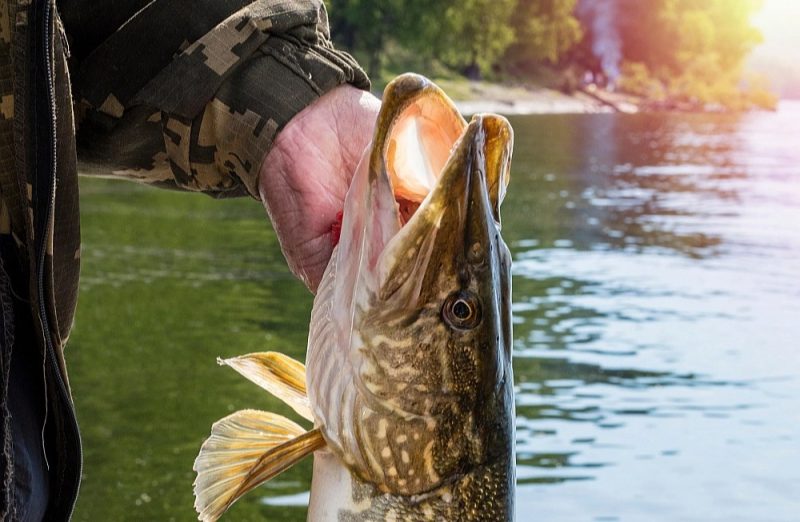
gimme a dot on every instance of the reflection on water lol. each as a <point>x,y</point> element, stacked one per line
<point>657,276</point>
<point>656,286</point>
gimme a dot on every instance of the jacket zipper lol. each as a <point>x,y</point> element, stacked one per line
<point>71,420</point>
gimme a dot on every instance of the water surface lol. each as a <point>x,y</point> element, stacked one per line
<point>657,318</point>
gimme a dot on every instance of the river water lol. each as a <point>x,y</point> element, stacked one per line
<point>656,315</point>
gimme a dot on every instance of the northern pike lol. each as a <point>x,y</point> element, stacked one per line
<point>408,379</point>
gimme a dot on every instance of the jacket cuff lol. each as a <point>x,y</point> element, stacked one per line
<point>222,100</point>
<point>260,98</point>
<point>225,141</point>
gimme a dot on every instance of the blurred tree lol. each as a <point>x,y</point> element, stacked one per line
<point>693,48</point>
<point>363,27</point>
<point>475,33</point>
<point>544,31</point>
<point>468,35</point>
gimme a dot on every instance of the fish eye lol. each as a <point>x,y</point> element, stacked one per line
<point>462,310</point>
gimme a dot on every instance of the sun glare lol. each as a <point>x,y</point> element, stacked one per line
<point>777,16</point>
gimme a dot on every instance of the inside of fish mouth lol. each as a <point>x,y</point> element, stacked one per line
<point>417,149</point>
<point>406,208</point>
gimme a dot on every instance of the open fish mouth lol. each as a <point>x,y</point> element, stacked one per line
<point>446,181</point>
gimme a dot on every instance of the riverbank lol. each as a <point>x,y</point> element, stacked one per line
<point>472,97</point>
<point>478,96</point>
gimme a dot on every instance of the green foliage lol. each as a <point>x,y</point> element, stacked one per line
<point>544,31</point>
<point>637,79</point>
<point>687,51</point>
<point>719,30</point>
<point>692,49</point>
<point>364,27</point>
<point>476,33</point>
<point>463,34</point>
<point>757,92</point>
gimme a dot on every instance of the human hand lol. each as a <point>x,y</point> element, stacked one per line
<point>306,174</point>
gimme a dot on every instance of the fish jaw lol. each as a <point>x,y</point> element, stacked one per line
<point>416,130</point>
<point>414,133</point>
<point>457,225</point>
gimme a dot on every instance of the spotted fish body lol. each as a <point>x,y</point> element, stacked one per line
<point>408,378</point>
<point>409,358</point>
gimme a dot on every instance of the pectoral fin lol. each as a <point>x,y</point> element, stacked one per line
<point>246,449</point>
<point>280,375</point>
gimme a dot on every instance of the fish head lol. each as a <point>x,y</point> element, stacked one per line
<point>443,279</point>
<point>421,316</point>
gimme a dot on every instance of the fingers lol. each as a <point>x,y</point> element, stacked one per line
<point>308,260</point>
<point>304,179</point>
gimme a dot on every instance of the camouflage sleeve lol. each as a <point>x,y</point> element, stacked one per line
<point>190,94</point>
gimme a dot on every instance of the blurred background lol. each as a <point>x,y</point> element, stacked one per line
<point>654,221</point>
<point>657,54</point>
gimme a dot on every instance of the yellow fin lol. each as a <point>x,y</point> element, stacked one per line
<point>245,449</point>
<point>279,374</point>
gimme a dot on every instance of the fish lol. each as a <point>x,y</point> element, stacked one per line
<point>408,378</point>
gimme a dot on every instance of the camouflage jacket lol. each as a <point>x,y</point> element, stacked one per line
<point>186,94</point>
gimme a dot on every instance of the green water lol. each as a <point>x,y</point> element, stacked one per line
<point>656,298</point>
<point>171,281</point>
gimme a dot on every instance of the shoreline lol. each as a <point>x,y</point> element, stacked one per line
<point>550,101</point>
<point>568,105</point>
<point>473,97</point>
